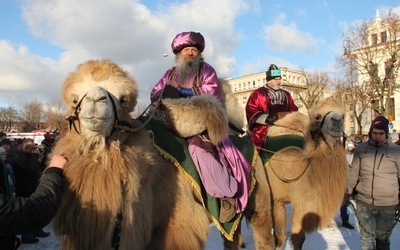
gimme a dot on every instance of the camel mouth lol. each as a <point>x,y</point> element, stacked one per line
<point>94,124</point>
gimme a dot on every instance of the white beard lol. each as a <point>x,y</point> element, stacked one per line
<point>186,69</point>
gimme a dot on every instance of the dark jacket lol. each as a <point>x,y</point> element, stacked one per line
<point>27,214</point>
<point>27,172</point>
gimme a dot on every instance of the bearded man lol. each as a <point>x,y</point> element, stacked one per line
<point>223,170</point>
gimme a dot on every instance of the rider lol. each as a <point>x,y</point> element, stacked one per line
<point>265,104</point>
<point>223,170</point>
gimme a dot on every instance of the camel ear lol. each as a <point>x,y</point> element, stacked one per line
<point>189,117</point>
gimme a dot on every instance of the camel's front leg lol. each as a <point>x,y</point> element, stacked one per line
<point>279,216</point>
<point>297,235</point>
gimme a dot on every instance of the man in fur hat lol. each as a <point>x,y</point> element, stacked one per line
<point>264,105</point>
<point>373,176</point>
<point>223,170</point>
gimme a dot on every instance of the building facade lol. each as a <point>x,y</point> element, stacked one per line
<point>376,74</point>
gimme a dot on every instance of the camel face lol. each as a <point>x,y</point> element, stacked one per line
<point>333,125</point>
<point>97,112</point>
<point>101,92</point>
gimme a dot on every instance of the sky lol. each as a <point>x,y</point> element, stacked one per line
<point>42,41</point>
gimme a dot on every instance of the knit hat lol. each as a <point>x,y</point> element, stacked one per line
<point>273,72</point>
<point>186,39</point>
<point>2,150</point>
<point>380,122</point>
<point>350,144</point>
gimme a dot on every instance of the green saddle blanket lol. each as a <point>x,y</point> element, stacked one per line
<point>175,149</point>
<point>274,144</point>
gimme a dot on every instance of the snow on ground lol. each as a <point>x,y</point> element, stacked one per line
<point>333,237</point>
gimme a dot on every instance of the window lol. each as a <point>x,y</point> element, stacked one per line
<point>244,100</point>
<point>374,39</point>
<point>388,69</point>
<point>391,113</point>
<point>373,72</point>
<point>383,37</point>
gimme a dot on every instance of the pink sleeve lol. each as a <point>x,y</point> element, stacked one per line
<point>159,86</point>
<point>209,82</point>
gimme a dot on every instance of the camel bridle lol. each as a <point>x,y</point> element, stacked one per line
<point>315,135</point>
<point>118,125</point>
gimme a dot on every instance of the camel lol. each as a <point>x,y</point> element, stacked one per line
<point>312,179</point>
<point>121,193</point>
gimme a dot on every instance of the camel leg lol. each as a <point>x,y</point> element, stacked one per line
<point>298,240</point>
<point>297,235</point>
<point>258,211</point>
<point>279,216</point>
<point>237,240</point>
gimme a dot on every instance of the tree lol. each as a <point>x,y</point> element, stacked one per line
<point>54,115</point>
<point>8,118</point>
<point>317,82</point>
<point>32,116</point>
<point>371,64</point>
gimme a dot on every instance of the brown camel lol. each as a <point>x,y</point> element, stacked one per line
<point>120,192</point>
<point>312,179</point>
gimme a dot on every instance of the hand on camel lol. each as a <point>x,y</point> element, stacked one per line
<point>58,161</point>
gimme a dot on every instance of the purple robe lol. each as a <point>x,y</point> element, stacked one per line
<point>229,176</point>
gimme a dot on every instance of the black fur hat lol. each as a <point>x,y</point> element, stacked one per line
<point>380,122</point>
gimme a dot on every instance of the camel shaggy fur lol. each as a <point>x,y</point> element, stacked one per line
<point>313,179</point>
<point>119,191</point>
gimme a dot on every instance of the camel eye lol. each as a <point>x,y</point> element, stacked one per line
<point>123,100</point>
<point>75,99</point>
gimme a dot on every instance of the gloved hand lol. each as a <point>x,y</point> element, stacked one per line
<point>346,200</point>
<point>270,120</point>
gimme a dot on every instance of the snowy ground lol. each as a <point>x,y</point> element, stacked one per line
<point>334,237</point>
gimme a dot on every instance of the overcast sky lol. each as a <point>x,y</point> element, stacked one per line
<point>42,41</point>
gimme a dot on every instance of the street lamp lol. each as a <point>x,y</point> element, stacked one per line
<point>346,47</point>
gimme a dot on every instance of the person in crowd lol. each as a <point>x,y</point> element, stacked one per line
<point>223,170</point>
<point>20,215</point>
<point>373,178</point>
<point>2,136</point>
<point>10,171</point>
<point>394,137</point>
<point>6,144</point>
<point>27,170</point>
<point>266,104</point>
<point>344,215</point>
<point>45,150</point>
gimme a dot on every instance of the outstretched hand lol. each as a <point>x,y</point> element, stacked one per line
<point>58,161</point>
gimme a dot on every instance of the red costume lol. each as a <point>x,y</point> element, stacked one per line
<point>266,100</point>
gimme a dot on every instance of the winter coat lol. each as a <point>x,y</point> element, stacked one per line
<point>27,171</point>
<point>26,214</point>
<point>374,173</point>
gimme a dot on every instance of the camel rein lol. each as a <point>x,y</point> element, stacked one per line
<point>314,136</point>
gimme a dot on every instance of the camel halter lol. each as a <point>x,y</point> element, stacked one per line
<point>118,125</point>
<point>314,135</point>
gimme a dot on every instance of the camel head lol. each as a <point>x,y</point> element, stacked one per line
<point>327,121</point>
<point>98,94</point>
